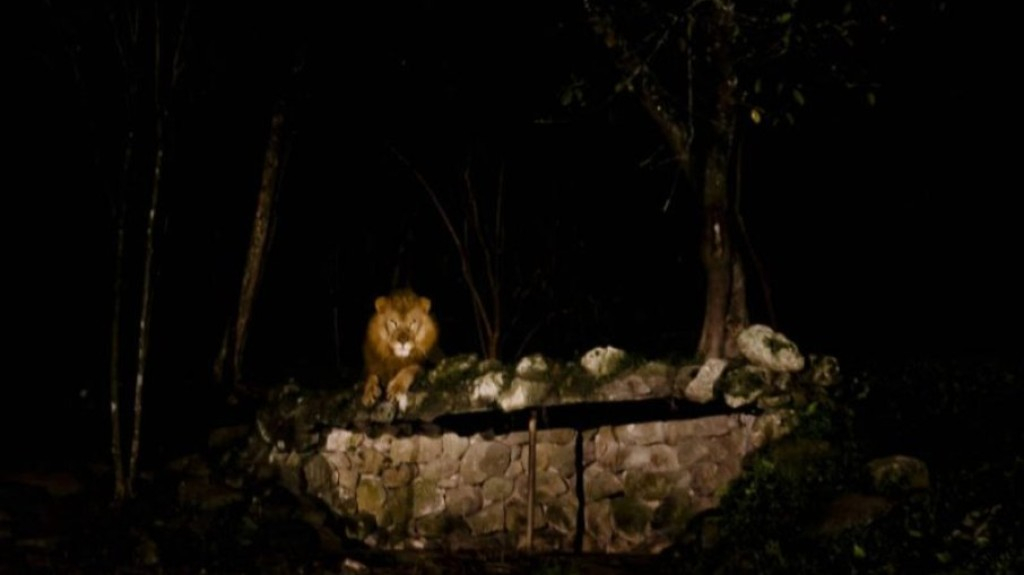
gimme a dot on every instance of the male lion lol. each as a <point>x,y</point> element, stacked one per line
<point>399,338</point>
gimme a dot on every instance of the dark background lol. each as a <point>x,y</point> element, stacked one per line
<point>886,231</point>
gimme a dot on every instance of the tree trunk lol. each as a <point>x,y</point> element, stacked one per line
<point>725,308</point>
<point>235,338</point>
<point>725,312</point>
<point>120,486</point>
<point>146,307</point>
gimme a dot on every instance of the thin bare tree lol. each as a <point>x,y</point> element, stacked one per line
<point>128,35</point>
<point>477,237</point>
<point>232,347</point>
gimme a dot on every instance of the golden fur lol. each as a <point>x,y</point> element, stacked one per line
<point>401,336</point>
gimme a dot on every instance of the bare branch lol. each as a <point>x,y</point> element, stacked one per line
<point>653,96</point>
<point>115,364</point>
<point>460,246</point>
<point>178,61</point>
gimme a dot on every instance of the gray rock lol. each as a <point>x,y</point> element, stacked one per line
<point>648,485</point>
<point>428,449</point>
<point>602,361</point>
<point>651,458</point>
<point>398,475</point>
<point>319,475</point>
<point>484,459</point>
<point>431,526</point>
<point>347,481</point>
<point>398,508</point>
<point>371,496</point>
<point>763,346</point>
<point>462,500</point>
<point>560,458</point>
<point>490,519</point>
<point>599,483</point>
<point>703,427</point>
<point>404,450</point>
<point>562,517</point>
<point>640,433</point>
<point>515,517</point>
<point>631,516</point>
<point>562,436</point>
<point>532,367</point>
<point>427,497</point>
<point>673,512</point>
<point>342,440</point>
<point>486,389</point>
<point>824,370</point>
<point>690,450</point>
<point>702,388</point>
<point>771,426</point>
<point>606,448</point>
<point>522,393</point>
<point>496,489</point>
<point>440,468</point>
<point>453,445</point>
<point>898,474</point>
<point>852,510</point>
<point>369,461</point>
<point>550,486</point>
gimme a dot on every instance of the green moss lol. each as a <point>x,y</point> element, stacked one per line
<point>631,515</point>
<point>571,380</point>
<point>673,513</point>
<point>649,486</point>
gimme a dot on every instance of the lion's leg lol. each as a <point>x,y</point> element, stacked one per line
<point>371,389</point>
<point>402,381</point>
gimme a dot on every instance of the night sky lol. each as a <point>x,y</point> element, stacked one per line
<point>885,230</point>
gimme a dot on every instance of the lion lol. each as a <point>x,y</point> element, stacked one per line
<point>400,337</point>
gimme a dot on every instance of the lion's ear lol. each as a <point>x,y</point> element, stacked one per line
<point>381,303</point>
<point>425,304</point>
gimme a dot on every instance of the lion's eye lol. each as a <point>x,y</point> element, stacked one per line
<point>392,325</point>
<point>414,324</point>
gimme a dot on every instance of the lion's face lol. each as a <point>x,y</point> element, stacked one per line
<point>402,332</point>
<point>404,324</point>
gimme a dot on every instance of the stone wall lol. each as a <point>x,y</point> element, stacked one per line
<point>656,445</point>
<point>449,491</point>
<point>641,483</point>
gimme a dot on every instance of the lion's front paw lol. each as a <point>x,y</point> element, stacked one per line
<point>400,384</point>
<point>371,391</point>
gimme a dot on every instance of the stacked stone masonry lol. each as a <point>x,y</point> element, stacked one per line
<point>640,484</point>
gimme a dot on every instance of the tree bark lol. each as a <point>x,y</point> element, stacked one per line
<point>146,307</point>
<point>120,486</point>
<point>235,337</point>
<point>725,312</point>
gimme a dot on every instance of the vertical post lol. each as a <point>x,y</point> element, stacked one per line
<point>532,481</point>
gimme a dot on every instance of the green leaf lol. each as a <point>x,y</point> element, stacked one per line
<point>871,98</point>
<point>798,97</point>
<point>784,17</point>
<point>859,552</point>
